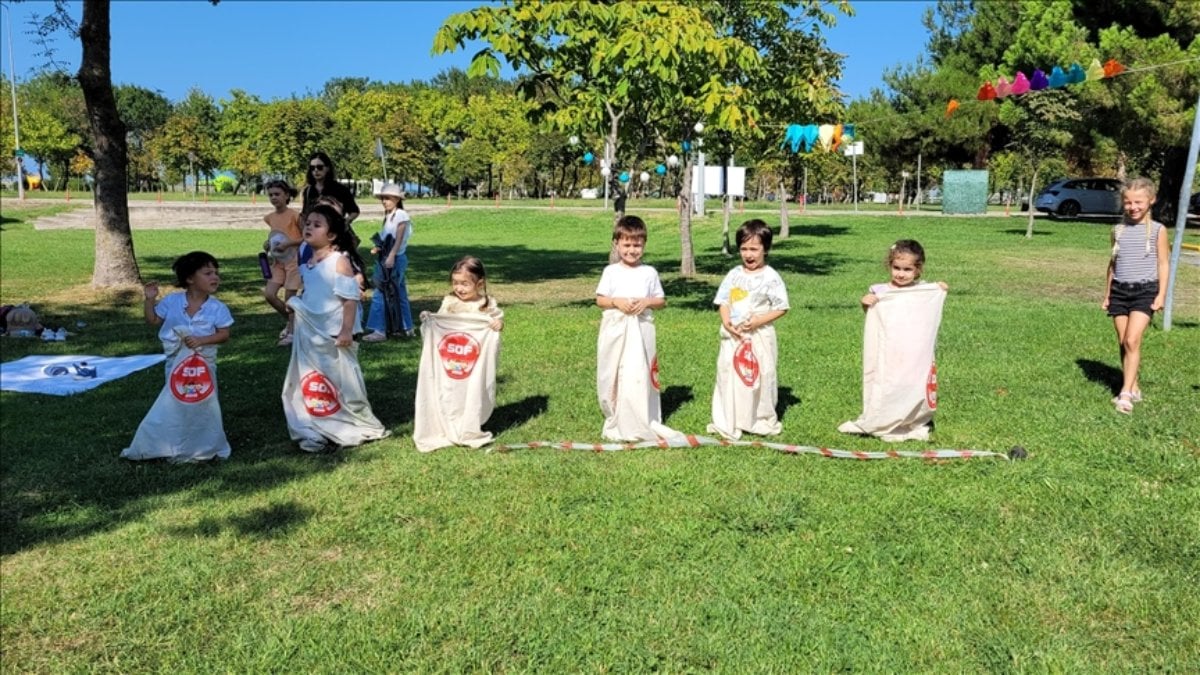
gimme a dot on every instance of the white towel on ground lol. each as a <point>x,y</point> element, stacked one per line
<point>28,374</point>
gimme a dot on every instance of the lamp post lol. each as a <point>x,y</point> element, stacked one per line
<point>12,81</point>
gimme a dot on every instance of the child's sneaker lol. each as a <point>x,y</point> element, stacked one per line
<point>374,336</point>
<point>60,335</point>
<point>285,340</point>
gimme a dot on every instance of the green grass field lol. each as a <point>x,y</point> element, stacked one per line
<point>1085,557</point>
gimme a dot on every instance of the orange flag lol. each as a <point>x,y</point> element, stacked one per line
<point>951,107</point>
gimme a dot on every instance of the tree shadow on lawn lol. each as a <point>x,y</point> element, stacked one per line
<point>512,415</point>
<point>811,230</point>
<point>266,522</point>
<point>1101,373</point>
<point>62,478</point>
<point>1036,232</point>
<point>506,264</point>
<point>786,400</point>
<point>674,398</point>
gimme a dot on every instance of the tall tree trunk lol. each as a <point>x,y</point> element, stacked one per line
<point>784,225</point>
<point>687,258</point>
<point>115,263</point>
<point>1032,184</point>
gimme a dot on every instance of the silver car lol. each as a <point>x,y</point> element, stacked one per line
<point>1072,196</point>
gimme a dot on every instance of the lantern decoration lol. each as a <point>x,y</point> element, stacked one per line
<point>847,131</point>
<point>1038,82</point>
<point>624,177</point>
<point>1095,71</point>
<point>986,92</point>
<point>1112,68</point>
<point>951,107</point>
<point>1058,78</point>
<point>573,140</point>
<point>605,171</point>
<point>673,161</point>
<point>1003,88</point>
<point>687,146</point>
<point>825,135</point>
<point>699,127</point>
<point>1020,84</point>
<point>588,157</point>
<point>660,169</point>
<point>837,138</point>
<point>644,177</point>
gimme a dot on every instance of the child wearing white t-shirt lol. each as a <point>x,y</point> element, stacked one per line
<point>627,359</point>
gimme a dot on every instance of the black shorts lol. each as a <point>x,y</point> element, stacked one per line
<point>1137,296</point>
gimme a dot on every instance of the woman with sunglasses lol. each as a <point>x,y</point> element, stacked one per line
<point>321,181</point>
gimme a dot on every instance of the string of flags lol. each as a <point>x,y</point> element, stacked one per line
<point>808,137</point>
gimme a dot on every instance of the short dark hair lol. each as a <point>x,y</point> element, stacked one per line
<point>907,247</point>
<point>189,263</point>
<point>630,226</point>
<point>752,229</point>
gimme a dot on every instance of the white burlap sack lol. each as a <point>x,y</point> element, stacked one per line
<point>324,397</point>
<point>899,375</point>
<point>627,378</point>
<point>747,388</point>
<point>184,424</point>
<point>456,381</point>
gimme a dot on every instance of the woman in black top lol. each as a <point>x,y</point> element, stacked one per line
<point>322,182</point>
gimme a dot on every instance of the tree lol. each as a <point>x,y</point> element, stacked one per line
<point>143,111</point>
<point>593,67</point>
<point>115,263</point>
<point>238,138</point>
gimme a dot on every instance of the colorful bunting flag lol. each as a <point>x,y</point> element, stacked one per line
<point>986,92</point>
<point>951,107</point>
<point>1038,82</point>
<point>1020,84</point>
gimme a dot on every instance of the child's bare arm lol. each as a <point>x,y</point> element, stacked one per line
<point>151,292</point>
<point>869,301</point>
<point>759,320</point>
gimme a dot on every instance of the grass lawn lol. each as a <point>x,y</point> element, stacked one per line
<point>1085,557</point>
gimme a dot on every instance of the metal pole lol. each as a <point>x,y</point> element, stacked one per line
<point>12,81</point>
<point>699,206</point>
<point>1185,190</point>
<point>854,161</point>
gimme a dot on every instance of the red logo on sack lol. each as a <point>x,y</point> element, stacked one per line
<point>931,387</point>
<point>459,353</point>
<point>191,380</point>
<point>654,373</point>
<point>319,394</point>
<point>745,363</point>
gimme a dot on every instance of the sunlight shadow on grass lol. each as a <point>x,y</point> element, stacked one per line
<point>1101,373</point>
<point>259,523</point>
<point>674,398</point>
<point>517,413</point>
<point>786,400</point>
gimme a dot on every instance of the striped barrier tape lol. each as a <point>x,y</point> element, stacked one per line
<point>693,441</point>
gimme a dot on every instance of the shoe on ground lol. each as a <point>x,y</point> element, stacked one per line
<point>374,336</point>
<point>284,333</point>
<point>1124,404</point>
<point>285,341</point>
<point>1136,397</point>
<point>47,335</point>
<point>60,335</point>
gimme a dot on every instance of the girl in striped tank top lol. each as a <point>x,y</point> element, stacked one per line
<point>1132,290</point>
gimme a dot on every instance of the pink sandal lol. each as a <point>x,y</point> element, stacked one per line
<point>1124,403</point>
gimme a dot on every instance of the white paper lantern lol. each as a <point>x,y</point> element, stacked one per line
<point>605,171</point>
<point>573,140</point>
<point>699,127</point>
<point>673,161</point>
<point>644,177</point>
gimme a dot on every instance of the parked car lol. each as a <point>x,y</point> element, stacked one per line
<point>1194,204</point>
<point>1070,197</point>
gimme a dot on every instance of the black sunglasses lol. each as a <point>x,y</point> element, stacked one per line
<point>316,166</point>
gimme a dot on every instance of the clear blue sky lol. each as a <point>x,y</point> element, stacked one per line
<point>276,49</point>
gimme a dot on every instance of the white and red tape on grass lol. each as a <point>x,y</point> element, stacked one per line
<point>692,441</point>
